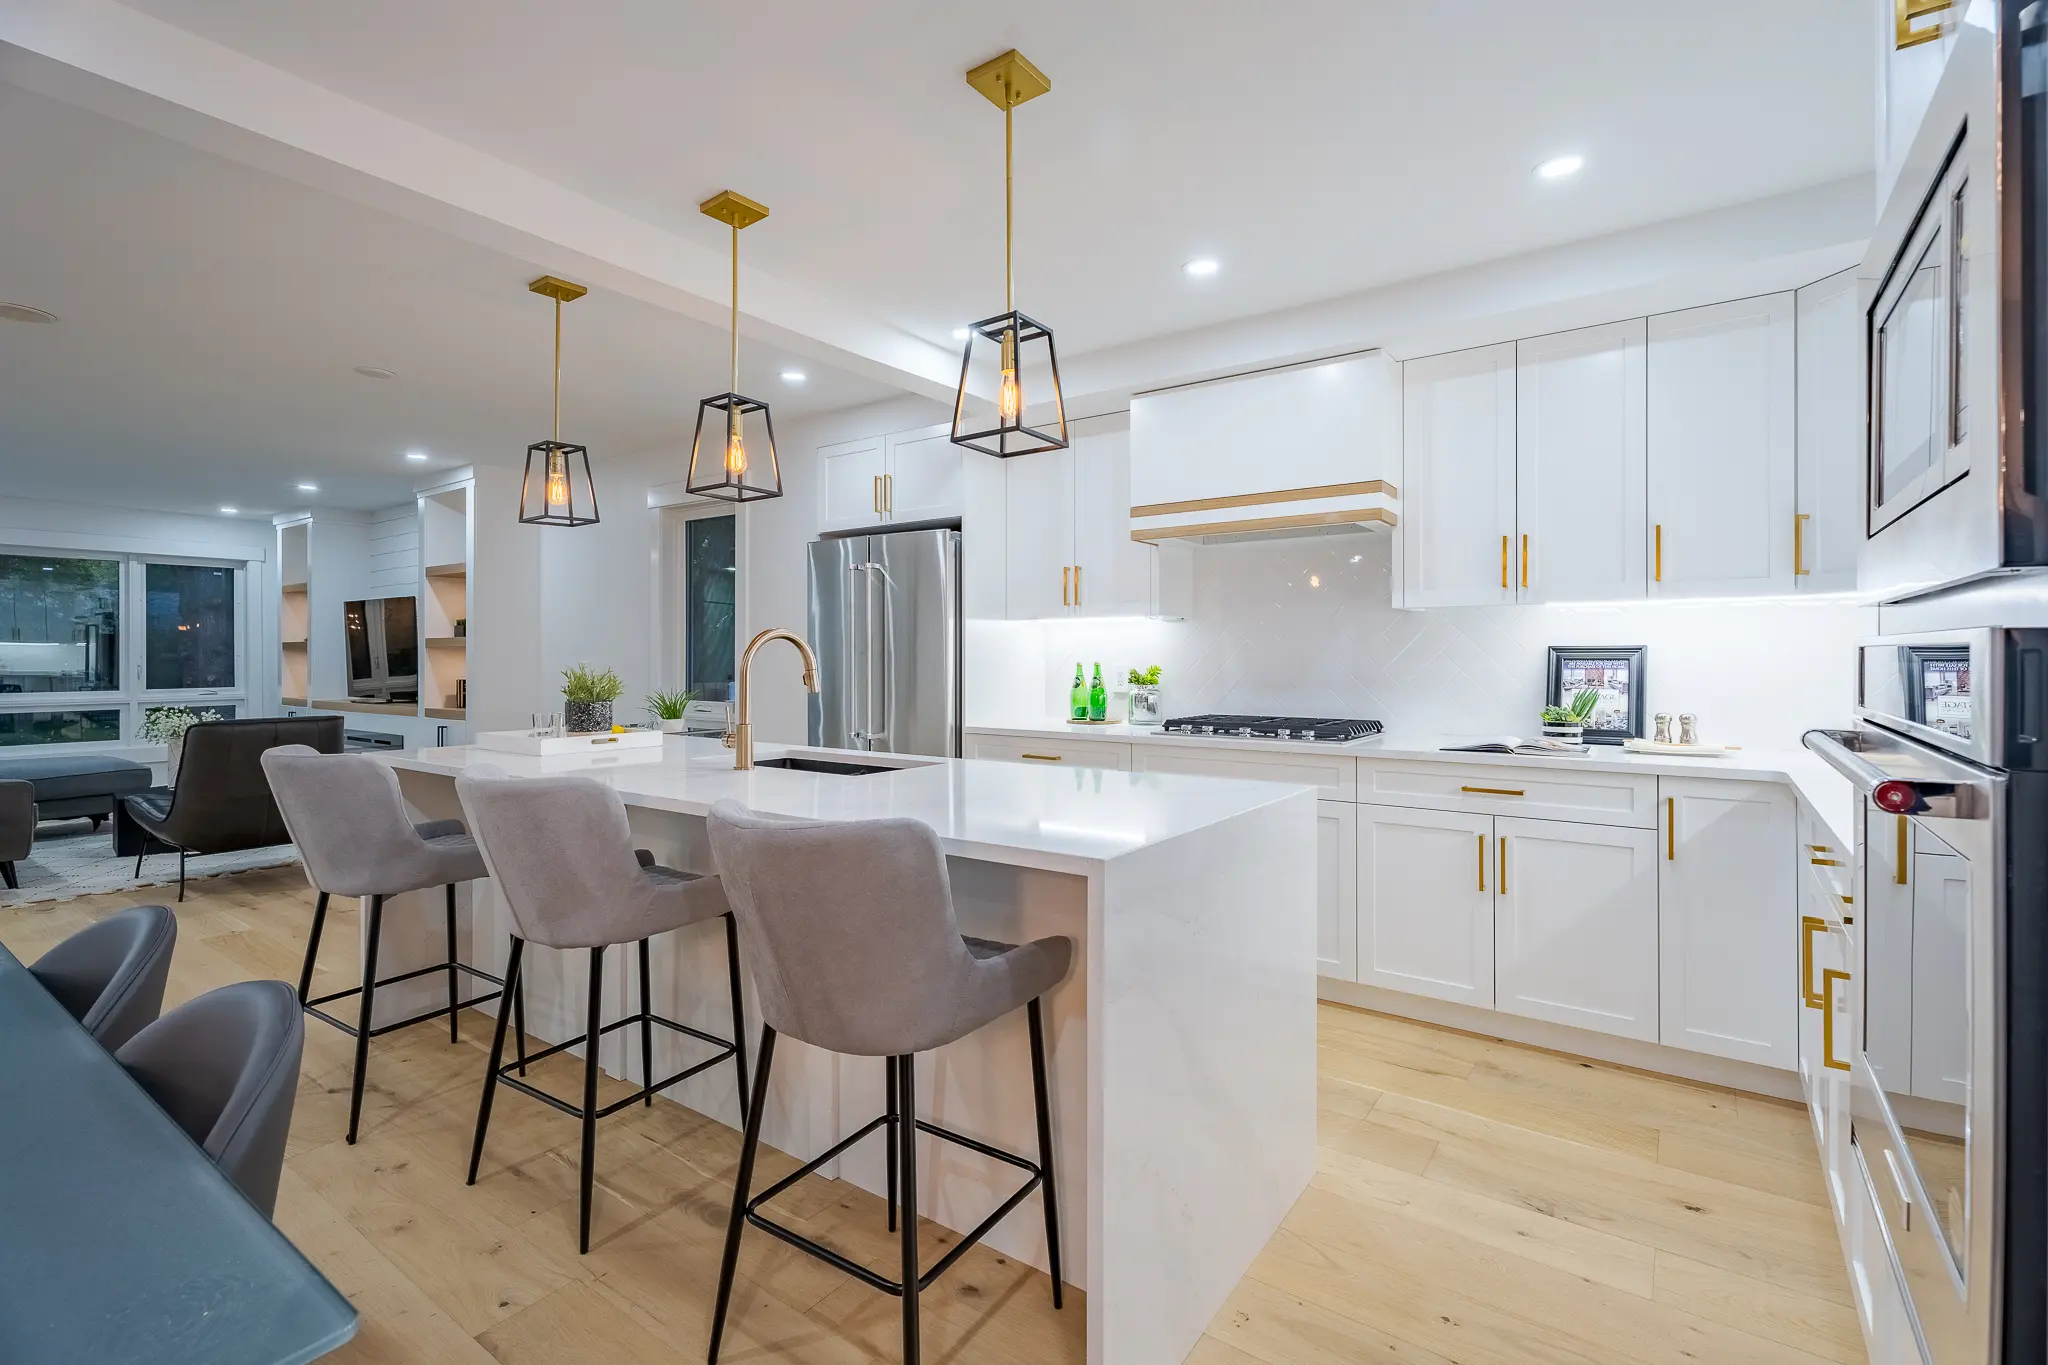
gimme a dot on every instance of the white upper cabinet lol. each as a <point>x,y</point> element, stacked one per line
<point>1575,930</point>
<point>1113,574</point>
<point>1727,885</point>
<point>1721,435</point>
<point>1457,531</point>
<point>1579,465</point>
<point>1041,534</point>
<point>850,483</point>
<point>1828,526</point>
<point>1070,551</point>
<point>1911,53</point>
<point>910,476</point>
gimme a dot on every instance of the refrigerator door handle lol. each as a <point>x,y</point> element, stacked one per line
<point>880,731</point>
<point>856,581</point>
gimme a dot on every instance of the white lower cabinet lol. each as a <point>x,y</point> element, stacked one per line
<point>1425,902</point>
<point>1575,925</point>
<point>1064,752</point>
<point>1888,1328</point>
<point>1823,949</point>
<point>1725,887</point>
<point>1336,889</point>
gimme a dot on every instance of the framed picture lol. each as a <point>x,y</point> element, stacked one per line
<point>1616,673</point>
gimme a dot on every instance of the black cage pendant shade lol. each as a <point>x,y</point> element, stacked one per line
<point>557,489</point>
<point>1010,355</point>
<point>732,456</point>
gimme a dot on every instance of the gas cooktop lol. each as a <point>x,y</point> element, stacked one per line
<point>1316,728</point>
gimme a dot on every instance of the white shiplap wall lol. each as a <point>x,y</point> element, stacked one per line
<point>395,551</point>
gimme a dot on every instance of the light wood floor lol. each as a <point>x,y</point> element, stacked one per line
<point>1477,1202</point>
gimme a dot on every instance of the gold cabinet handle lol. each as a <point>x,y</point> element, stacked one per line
<point>1503,877</point>
<point>1799,521</point>
<point>1899,873</point>
<point>1809,925</point>
<point>889,494</point>
<point>1482,862</point>
<point>1670,829</point>
<point>1660,552</point>
<point>1904,12</point>
<point>1525,559</point>
<point>1825,862</point>
<point>1828,978</point>
<point>875,494</point>
<point>1491,791</point>
<point>1066,585</point>
<point>1041,758</point>
<point>1819,848</point>
<point>1503,561</point>
<point>1077,585</point>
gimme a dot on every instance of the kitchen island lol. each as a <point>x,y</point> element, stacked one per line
<point>1182,1042</point>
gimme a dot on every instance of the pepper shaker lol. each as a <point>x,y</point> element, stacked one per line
<point>1686,733</point>
<point>1663,731</point>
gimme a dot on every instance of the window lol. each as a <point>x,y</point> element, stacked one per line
<point>711,576</point>
<point>63,676</point>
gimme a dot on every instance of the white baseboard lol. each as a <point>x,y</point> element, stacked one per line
<point>1576,1042</point>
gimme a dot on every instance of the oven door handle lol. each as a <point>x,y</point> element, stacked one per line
<point>1966,797</point>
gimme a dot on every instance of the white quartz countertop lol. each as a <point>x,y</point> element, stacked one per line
<point>1063,819</point>
<point>1827,793</point>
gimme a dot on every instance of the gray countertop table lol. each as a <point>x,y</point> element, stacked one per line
<point>119,1240</point>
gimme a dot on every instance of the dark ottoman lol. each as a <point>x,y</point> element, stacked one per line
<point>67,786</point>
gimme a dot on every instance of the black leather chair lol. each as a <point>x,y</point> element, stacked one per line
<point>17,827</point>
<point>222,802</point>
<point>226,1067</point>
<point>111,975</point>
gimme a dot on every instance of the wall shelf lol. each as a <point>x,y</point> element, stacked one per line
<point>456,570</point>
<point>292,701</point>
<point>445,713</point>
<point>292,587</point>
<point>447,642</point>
<point>369,708</point>
<point>291,644</point>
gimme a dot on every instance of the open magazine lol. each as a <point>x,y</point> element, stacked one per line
<point>1508,744</point>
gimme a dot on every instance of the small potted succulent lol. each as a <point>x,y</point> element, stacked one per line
<point>1567,724</point>
<point>166,725</point>
<point>587,697</point>
<point>667,708</point>
<point>1144,705</point>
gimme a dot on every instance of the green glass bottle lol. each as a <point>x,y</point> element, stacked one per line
<point>1098,698</point>
<point>1078,704</point>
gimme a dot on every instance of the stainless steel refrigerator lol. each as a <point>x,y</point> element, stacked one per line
<point>885,621</point>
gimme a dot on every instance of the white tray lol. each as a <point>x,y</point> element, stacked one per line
<point>524,742</point>
<point>1651,746</point>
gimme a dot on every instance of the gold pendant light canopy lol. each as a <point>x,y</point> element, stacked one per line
<point>1009,355</point>
<point>734,465</point>
<point>557,490</point>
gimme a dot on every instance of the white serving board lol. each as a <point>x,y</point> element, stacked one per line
<point>1651,746</point>
<point>547,746</point>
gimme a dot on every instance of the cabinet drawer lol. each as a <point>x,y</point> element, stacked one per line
<point>1334,776</point>
<point>1538,793</point>
<point>1831,866</point>
<point>1072,753</point>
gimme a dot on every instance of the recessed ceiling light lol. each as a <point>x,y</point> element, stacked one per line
<point>793,376</point>
<point>1558,167</point>
<point>21,312</point>
<point>416,456</point>
<point>959,334</point>
<point>309,488</point>
<point>229,511</point>
<point>376,372</point>
<point>1201,267</point>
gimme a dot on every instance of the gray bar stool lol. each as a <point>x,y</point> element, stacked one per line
<point>347,816</point>
<point>111,975</point>
<point>856,950</point>
<point>562,855</point>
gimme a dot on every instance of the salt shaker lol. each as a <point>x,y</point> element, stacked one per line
<point>1686,733</point>
<point>1663,733</point>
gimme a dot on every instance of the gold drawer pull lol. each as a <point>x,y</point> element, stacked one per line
<point>1825,862</point>
<point>1491,791</point>
<point>1503,877</point>
<point>1482,862</point>
<point>1809,925</point>
<point>1828,978</point>
<point>1820,848</point>
<point>1503,561</point>
<point>1670,829</point>
<point>1042,758</point>
<point>1900,872</point>
<point>1799,520</point>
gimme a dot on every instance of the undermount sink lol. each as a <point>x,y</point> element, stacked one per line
<point>830,765</point>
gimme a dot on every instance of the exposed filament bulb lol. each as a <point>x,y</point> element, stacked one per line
<point>558,480</point>
<point>735,445</point>
<point>1010,398</point>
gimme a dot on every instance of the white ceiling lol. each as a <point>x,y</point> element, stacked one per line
<point>1316,147</point>
<point>210,317</point>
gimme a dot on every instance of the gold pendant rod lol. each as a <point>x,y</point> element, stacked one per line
<point>1009,211</point>
<point>558,370</point>
<point>735,309</point>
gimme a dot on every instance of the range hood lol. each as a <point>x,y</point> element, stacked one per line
<point>1310,449</point>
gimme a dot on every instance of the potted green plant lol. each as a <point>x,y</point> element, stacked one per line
<point>667,708</point>
<point>587,697</point>
<point>1567,724</point>
<point>1144,706</point>
<point>166,725</point>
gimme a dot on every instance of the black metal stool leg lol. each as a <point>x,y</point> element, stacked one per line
<point>906,1138</point>
<point>742,1186</point>
<point>518,1018</point>
<point>483,1112</point>
<point>889,1137</point>
<point>646,1025</point>
<point>181,874</point>
<point>591,1041</point>
<point>138,858</point>
<point>312,948</point>
<point>355,1098</point>
<point>739,1020</point>
<point>454,993</point>
<point>1047,1191</point>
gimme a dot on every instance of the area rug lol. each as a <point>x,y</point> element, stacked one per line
<point>69,860</point>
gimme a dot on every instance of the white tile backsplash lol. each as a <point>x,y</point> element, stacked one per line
<point>1306,627</point>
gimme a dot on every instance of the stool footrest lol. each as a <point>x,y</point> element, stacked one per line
<point>505,1076</point>
<point>854,1268</point>
<point>312,1006</point>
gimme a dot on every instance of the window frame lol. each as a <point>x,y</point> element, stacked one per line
<point>672,586</point>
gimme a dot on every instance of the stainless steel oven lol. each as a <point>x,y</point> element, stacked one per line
<point>1949,1071</point>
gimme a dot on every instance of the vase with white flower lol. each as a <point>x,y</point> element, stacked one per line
<point>166,725</point>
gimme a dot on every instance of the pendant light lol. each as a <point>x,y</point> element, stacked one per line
<point>1009,355</point>
<point>734,466</point>
<point>557,490</point>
